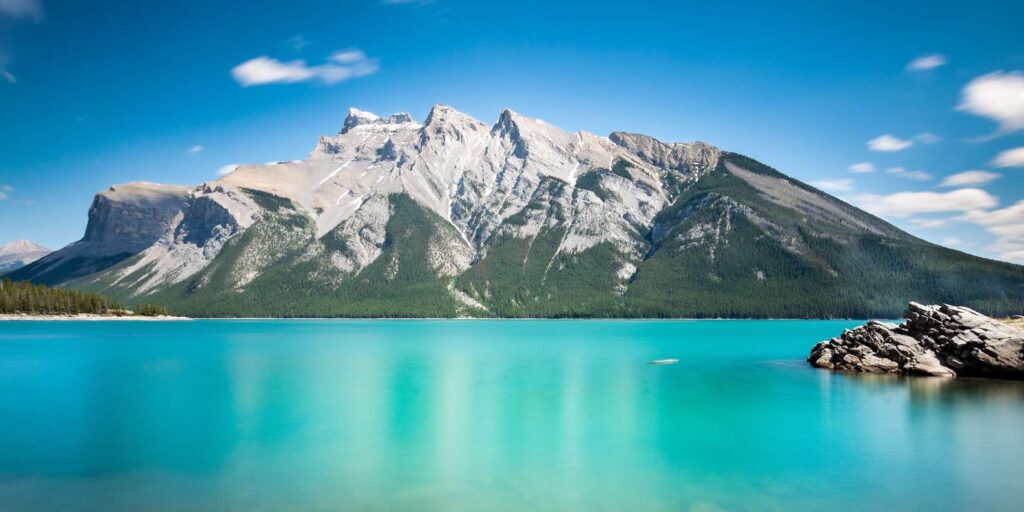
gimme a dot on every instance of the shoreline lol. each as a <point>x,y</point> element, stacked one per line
<point>93,317</point>
<point>87,317</point>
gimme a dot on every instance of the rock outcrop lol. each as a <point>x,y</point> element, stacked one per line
<point>943,341</point>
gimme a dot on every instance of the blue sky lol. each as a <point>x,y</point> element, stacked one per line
<point>96,93</point>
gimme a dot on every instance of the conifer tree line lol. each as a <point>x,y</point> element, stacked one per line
<point>24,297</point>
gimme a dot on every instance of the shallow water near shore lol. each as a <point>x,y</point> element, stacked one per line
<point>485,415</point>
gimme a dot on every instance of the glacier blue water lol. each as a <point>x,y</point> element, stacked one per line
<point>485,415</point>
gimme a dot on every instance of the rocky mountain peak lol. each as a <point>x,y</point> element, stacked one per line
<point>508,123</point>
<point>448,125</point>
<point>400,118</point>
<point>358,117</point>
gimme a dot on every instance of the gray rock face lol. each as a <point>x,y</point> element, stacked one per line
<point>131,217</point>
<point>942,341</point>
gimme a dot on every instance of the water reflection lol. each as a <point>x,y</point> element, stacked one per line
<point>942,389</point>
<point>490,416</point>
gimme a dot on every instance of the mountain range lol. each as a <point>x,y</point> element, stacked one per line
<point>455,217</point>
<point>19,253</point>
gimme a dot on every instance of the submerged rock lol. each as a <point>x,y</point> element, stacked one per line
<point>941,341</point>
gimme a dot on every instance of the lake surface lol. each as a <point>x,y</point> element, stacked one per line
<point>485,416</point>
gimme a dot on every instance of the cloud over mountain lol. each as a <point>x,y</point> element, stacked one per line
<point>340,66</point>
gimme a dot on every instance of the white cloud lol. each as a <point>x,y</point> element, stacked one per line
<point>342,65</point>
<point>928,223</point>
<point>862,167</point>
<point>31,9</point>
<point>3,196</point>
<point>227,169</point>
<point>841,185</point>
<point>926,62</point>
<point>998,96</point>
<point>8,76</point>
<point>888,143</point>
<point>4,189</point>
<point>265,70</point>
<point>910,175</point>
<point>198,148</point>
<point>1010,215</point>
<point>927,138</point>
<point>952,241</point>
<point>905,204</point>
<point>1007,224</point>
<point>347,56</point>
<point>966,178</point>
<point>1010,158</point>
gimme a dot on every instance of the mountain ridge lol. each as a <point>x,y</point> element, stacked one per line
<point>517,218</point>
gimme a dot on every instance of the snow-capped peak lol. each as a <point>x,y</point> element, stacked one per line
<point>19,253</point>
<point>22,247</point>
<point>358,117</point>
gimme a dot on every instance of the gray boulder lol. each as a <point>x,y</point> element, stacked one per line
<point>940,341</point>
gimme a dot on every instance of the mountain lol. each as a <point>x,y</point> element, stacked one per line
<point>391,217</point>
<point>19,253</point>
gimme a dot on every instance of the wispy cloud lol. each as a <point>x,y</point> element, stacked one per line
<point>8,76</point>
<point>298,42</point>
<point>198,148</point>
<point>905,204</point>
<point>928,223</point>
<point>340,66</point>
<point>889,143</point>
<point>1010,158</point>
<point>998,96</point>
<point>927,138</point>
<point>227,169</point>
<point>967,178</point>
<point>840,185</point>
<point>952,241</point>
<point>862,167</point>
<point>1007,224</point>
<point>30,9</point>
<point>4,190</point>
<point>926,62</point>
<point>910,175</point>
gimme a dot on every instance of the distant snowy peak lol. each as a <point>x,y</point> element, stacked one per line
<point>22,247</point>
<point>19,253</point>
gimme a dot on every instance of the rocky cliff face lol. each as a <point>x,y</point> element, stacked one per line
<point>943,341</point>
<point>123,220</point>
<point>516,218</point>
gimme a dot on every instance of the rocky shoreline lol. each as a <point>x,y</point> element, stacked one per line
<point>936,340</point>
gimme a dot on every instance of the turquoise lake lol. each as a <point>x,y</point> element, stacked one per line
<point>485,416</point>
